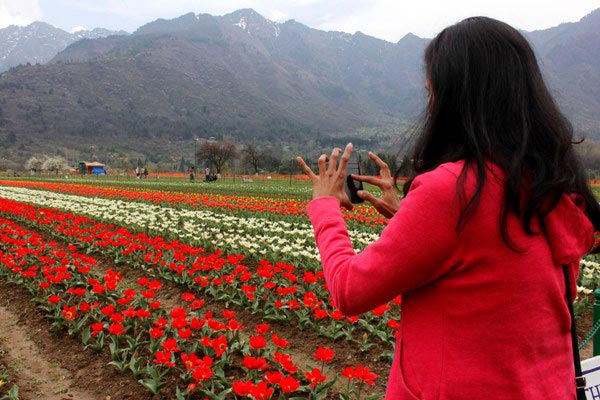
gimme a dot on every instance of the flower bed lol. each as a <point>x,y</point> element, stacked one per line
<point>153,342</point>
<point>277,291</point>
<point>255,205</point>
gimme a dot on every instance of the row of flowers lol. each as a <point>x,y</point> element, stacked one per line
<point>165,220</point>
<point>138,215</point>
<point>277,240</point>
<point>587,282</point>
<point>213,356</point>
<point>277,291</point>
<point>252,205</point>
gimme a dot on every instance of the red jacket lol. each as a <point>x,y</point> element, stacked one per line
<point>479,321</point>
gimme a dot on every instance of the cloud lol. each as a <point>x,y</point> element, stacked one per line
<point>392,19</point>
<point>276,15</point>
<point>77,29</point>
<point>19,12</point>
<point>386,19</point>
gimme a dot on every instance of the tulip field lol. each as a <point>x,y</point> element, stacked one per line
<point>174,290</point>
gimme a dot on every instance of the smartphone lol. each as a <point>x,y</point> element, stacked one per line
<point>353,186</point>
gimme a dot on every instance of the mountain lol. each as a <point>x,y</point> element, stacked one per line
<point>244,77</point>
<point>39,42</point>
<point>570,60</point>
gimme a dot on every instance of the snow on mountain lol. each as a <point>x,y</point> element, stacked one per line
<point>39,42</point>
<point>252,22</point>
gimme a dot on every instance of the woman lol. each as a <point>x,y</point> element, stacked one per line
<point>498,204</point>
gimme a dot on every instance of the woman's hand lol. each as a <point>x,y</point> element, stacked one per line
<point>389,202</point>
<point>331,179</point>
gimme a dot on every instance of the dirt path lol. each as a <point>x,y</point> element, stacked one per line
<point>36,376</point>
<point>69,371</point>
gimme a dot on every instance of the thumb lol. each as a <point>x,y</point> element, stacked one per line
<point>363,194</point>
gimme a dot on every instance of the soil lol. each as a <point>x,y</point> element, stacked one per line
<point>85,375</point>
<point>51,365</point>
<point>584,326</point>
<point>303,342</point>
<point>35,376</point>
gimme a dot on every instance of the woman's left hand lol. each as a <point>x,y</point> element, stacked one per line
<point>331,179</point>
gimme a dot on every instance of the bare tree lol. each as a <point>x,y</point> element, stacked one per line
<point>589,154</point>
<point>217,153</point>
<point>260,159</point>
<point>252,157</point>
<point>55,164</point>
<point>269,161</point>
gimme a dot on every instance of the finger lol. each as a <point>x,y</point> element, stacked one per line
<point>363,194</point>
<point>322,164</point>
<point>377,203</point>
<point>347,204</point>
<point>333,160</point>
<point>385,169</point>
<point>345,159</point>
<point>305,167</point>
<point>370,179</point>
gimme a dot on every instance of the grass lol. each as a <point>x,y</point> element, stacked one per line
<point>294,188</point>
<point>277,188</point>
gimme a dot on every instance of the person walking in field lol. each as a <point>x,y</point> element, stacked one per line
<point>192,173</point>
<point>486,243</point>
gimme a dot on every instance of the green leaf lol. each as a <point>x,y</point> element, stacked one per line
<point>381,335</point>
<point>375,397</point>
<point>85,336</point>
<point>149,384</point>
<point>81,322</point>
<point>179,394</point>
<point>120,365</point>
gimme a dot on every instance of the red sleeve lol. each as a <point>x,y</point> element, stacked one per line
<point>418,246</point>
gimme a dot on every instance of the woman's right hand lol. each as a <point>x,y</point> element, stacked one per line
<point>389,201</point>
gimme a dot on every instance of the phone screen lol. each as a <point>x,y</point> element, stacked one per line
<point>353,186</point>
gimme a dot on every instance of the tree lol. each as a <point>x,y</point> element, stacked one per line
<point>34,164</point>
<point>260,159</point>
<point>270,161</point>
<point>406,168</point>
<point>181,165</point>
<point>217,153</point>
<point>251,157</point>
<point>589,153</point>
<point>55,164</point>
<point>370,168</point>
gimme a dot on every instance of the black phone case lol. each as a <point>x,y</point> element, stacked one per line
<point>353,186</point>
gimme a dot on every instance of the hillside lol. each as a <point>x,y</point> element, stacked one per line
<point>39,42</point>
<point>570,60</point>
<point>244,77</point>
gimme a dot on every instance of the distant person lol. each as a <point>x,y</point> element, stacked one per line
<point>137,172</point>
<point>211,178</point>
<point>485,245</point>
<point>207,174</point>
<point>192,173</point>
<point>145,172</point>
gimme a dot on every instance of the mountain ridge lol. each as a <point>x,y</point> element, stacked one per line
<point>39,42</point>
<point>244,77</point>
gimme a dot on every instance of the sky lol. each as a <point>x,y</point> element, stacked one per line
<point>385,19</point>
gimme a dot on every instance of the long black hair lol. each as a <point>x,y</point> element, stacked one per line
<point>488,101</point>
